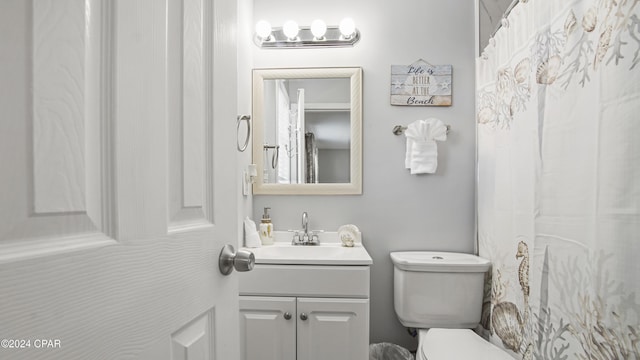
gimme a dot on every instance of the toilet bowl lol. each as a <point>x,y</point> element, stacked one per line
<point>458,344</point>
<point>441,294</point>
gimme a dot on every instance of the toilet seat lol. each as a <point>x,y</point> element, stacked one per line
<point>456,344</point>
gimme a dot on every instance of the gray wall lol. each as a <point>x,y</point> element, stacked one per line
<point>333,165</point>
<point>397,211</point>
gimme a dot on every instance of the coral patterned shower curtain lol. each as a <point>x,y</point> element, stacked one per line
<point>558,111</point>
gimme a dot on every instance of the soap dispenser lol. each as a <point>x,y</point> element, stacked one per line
<point>266,228</point>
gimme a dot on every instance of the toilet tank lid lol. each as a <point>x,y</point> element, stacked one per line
<point>432,261</point>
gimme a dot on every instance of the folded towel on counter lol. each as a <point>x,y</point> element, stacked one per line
<point>422,152</point>
<point>252,239</point>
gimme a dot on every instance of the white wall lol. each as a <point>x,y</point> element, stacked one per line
<point>396,211</point>
<point>245,64</point>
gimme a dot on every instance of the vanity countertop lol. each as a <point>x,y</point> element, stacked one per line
<point>329,252</point>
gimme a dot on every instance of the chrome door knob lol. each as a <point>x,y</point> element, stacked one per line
<point>242,260</point>
<point>303,316</point>
<point>287,316</point>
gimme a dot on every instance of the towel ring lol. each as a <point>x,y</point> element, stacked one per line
<point>275,157</point>
<point>246,118</point>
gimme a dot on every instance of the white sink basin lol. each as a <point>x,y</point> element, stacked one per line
<point>323,254</point>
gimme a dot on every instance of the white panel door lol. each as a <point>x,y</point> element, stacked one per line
<point>267,328</point>
<point>336,329</point>
<point>117,191</point>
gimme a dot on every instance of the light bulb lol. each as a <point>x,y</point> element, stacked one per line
<point>347,27</point>
<point>263,29</point>
<point>290,29</point>
<point>318,29</point>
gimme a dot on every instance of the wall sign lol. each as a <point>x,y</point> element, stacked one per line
<point>421,84</point>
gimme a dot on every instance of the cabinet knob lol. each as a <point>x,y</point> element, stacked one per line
<point>287,316</point>
<point>303,316</point>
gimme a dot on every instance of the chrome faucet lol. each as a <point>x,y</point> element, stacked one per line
<point>305,222</point>
<point>305,236</point>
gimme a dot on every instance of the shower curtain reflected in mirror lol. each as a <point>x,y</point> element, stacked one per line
<point>300,153</point>
<point>311,161</point>
<point>300,130</point>
<point>281,154</point>
<point>558,97</point>
<point>277,167</point>
<point>283,124</point>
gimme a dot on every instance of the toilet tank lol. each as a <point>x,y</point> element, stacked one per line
<point>438,289</point>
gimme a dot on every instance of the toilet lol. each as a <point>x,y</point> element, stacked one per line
<point>441,293</point>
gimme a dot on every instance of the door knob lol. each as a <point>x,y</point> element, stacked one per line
<point>241,260</point>
<point>287,316</point>
<point>303,316</point>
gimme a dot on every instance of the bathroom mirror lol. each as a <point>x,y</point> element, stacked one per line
<point>307,131</point>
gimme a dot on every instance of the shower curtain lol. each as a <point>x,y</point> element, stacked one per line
<point>311,158</point>
<point>285,131</point>
<point>300,148</point>
<point>558,112</point>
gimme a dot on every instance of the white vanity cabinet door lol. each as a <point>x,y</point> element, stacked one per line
<point>335,328</point>
<point>265,331</point>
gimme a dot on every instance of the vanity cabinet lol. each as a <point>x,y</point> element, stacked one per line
<point>299,312</point>
<point>267,328</point>
<point>334,329</point>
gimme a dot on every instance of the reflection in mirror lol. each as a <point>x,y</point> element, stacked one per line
<point>308,124</point>
<point>306,131</point>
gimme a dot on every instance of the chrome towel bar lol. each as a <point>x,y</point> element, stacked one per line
<point>399,129</point>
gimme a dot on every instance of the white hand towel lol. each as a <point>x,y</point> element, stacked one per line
<point>422,152</point>
<point>252,239</point>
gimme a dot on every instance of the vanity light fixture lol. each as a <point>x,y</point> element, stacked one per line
<point>290,35</point>
<point>347,28</point>
<point>290,30</point>
<point>318,29</point>
<point>263,30</point>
